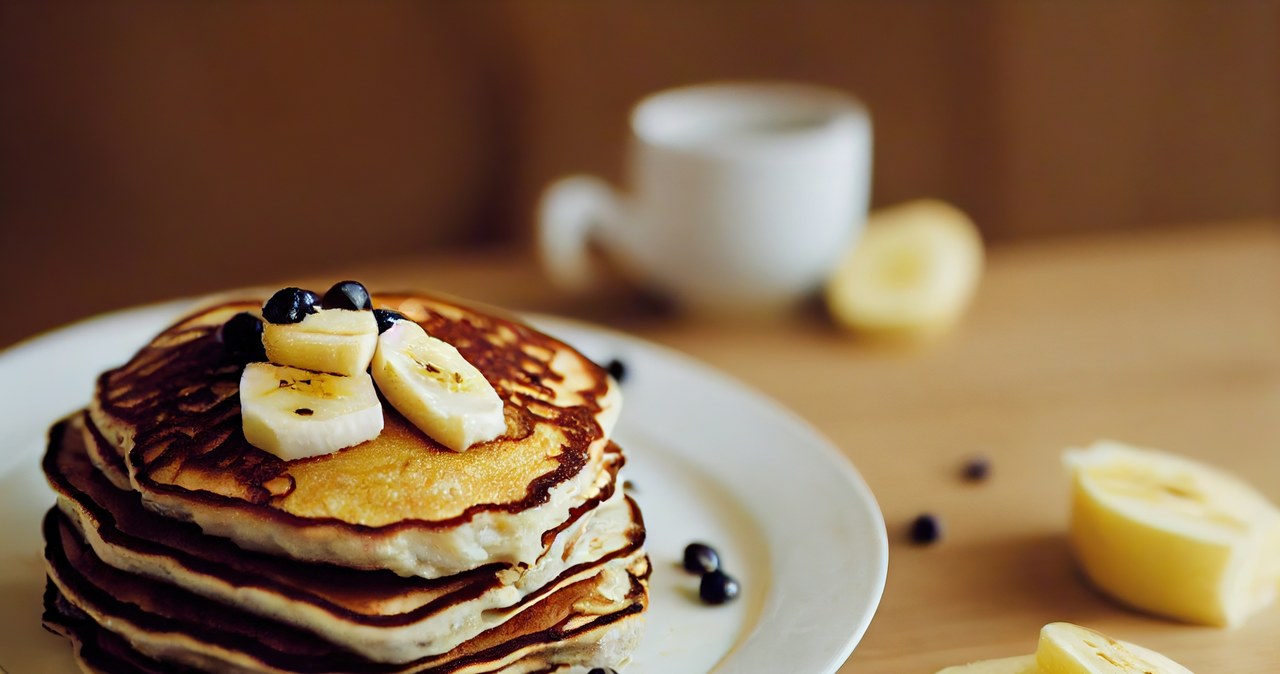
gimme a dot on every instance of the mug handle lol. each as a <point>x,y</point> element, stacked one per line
<point>570,209</point>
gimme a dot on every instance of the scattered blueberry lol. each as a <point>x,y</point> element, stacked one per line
<point>386,317</point>
<point>718,587</point>
<point>290,305</point>
<point>347,295</point>
<point>977,469</point>
<point>241,336</point>
<point>617,369</point>
<point>925,529</point>
<point>701,558</point>
<point>602,670</point>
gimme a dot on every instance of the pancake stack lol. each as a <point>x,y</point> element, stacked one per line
<point>178,546</point>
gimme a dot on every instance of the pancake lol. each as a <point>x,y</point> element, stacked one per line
<point>380,615</point>
<point>177,546</point>
<point>400,502</point>
<point>98,651</point>
<point>593,621</point>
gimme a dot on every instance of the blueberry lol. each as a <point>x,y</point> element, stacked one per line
<point>926,529</point>
<point>290,305</point>
<point>718,587</point>
<point>602,670</point>
<point>701,558</point>
<point>617,369</point>
<point>241,336</point>
<point>347,295</point>
<point>386,317</point>
<point>977,469</point>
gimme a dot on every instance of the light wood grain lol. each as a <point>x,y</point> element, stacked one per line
<point>1170,339</point>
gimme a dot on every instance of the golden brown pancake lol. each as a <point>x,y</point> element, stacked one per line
<point>382,616</point>
<point>176,546</point>
<point>399,502</point>
<point>593,621</point>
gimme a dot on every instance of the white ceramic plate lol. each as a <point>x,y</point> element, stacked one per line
<point>709,461</point>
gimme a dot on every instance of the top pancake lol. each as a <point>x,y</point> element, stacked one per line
<point>401,501</point>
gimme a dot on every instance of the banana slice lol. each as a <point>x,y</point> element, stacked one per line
<point>1070,649</point>
<point>340,341</point>
<point>1173,536</point>
<point>1022,664</point>
<point>912,273</point>
<point>295,413</point>
<point>434,387</point>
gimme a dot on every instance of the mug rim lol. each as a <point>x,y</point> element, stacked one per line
<point>820,110</point>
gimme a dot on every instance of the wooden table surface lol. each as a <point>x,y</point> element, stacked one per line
<point>1168,338</point>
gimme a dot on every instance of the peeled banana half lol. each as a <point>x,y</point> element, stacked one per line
<point>1173,536</point>
<point>1065,648</point>
<point>1071,649</point>
<point>911,274</point>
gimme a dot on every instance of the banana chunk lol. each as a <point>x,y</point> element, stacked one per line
<point>1172,536</point>
<point>1022,664</point>
<point>912,273</point>
<point>340,341</point>
<point>1070,649</point>
<point>434,387</point>
<point>296,413</point>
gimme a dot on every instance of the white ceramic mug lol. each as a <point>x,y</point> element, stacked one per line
<point>743,197</point>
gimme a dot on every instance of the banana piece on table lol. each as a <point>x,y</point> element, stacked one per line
<point>296,413</point>
<point>1172,536</point>
<point>434,386</point>
<point>1021,664</point>
<point>339,341</point>
<point>1070,649</point>
<point>911,274</point>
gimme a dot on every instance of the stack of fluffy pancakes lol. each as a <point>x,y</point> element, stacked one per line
<point>176,546</point>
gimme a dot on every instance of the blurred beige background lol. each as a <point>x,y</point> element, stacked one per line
<point>156,149</point>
